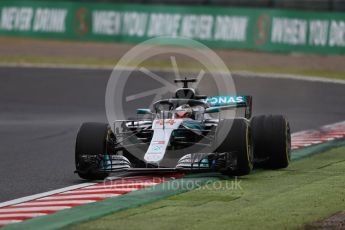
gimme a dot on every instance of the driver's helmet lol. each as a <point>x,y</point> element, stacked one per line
<point>184,111</point>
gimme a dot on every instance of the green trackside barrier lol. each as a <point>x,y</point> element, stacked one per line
<point>269,30</point>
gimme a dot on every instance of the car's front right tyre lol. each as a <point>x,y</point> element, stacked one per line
<point>91,141</point>
<point>234,137</point>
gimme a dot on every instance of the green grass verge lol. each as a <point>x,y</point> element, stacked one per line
<point>94,62</point>
<point>310,189</point>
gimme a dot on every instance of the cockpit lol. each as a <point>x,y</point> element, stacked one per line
<point>180,108</point>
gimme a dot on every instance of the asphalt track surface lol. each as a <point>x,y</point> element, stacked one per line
<point>41,110</point>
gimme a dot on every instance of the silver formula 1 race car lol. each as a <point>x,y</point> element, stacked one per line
<point>185,133</point>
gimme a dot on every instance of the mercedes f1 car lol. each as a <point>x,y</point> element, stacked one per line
<point>185,133</point>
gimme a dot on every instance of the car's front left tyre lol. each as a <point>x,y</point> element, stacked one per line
<point>272,140</point>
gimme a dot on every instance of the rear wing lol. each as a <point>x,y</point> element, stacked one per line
<point>232,102</point>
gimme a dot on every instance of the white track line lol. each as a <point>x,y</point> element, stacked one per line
<point>5,222</point>
<point>168,70</point>
<point>101,190</point>
<point>79,196</point>
<point>35,209</point>
<point>314,139</point>
<point>307,142</point>
<point>52,202</point>
<point>55,66</point>
<point>24,215</point>
<point>289,77</point>
<point>44,194</point>
<point>115,185</point>
<point>91,193</point>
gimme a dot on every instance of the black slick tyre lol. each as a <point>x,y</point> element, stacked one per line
<point>91,140</point>
<point>237,140</point>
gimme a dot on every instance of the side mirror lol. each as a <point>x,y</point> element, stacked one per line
<point>144,111</point>
<point>213,110</point>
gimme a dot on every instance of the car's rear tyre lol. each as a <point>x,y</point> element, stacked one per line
<point>91,140</point>
<point>271,140</point>
<point>235,138</point>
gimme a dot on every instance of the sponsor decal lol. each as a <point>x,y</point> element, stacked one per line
<point>225,100</point>
<point>140,24</point>
<point>262,29</point>
<point>158,142</point>
<point>337,33</point>
<point>313,32</point>
<point>33,20</point>
<point>318,32</point>
<point>167,121</point>
<point>157,148</point>
<point>81,24</point>
<point>231,28</point>
<point>253,29</point>
<point>204,163</point>
<point>50,20</point>
<point>290,31</point>
<point>16,18</point>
